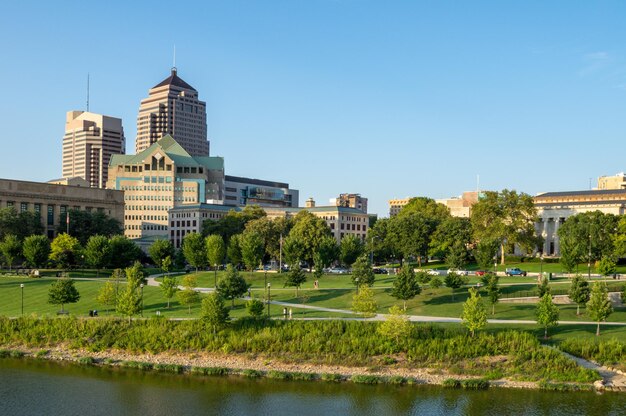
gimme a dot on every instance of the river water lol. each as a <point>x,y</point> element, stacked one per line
<point>30,387</point>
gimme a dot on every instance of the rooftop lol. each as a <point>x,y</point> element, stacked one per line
<point>174,80</point>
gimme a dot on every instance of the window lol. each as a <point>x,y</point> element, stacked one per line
<point>50,215</point>
<point>24,207</point>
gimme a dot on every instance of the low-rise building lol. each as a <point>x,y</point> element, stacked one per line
<point>461,206</point>
<point>51,201</point>
<point>350,201</point>
<point>395,205</point>
<point>241,192</point>
<point>617,181</point>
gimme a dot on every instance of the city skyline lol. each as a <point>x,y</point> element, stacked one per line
<point>341,96</point>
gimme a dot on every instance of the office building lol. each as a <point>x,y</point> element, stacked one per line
<point>461,206</point>
<point>52,201</point>
<point>617,181</point>
<point>246,191</point>
<point>162,177</point>
<point>89,141</point>
<point>350,201</point>
<point>173,108</point>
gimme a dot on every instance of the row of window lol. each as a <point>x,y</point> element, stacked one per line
<point>190,223</point>
<point>151,227</point>
<point>145,218</point>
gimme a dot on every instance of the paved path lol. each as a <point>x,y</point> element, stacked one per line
<point>613,379</point>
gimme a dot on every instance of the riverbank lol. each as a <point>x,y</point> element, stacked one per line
<point>199,363</point>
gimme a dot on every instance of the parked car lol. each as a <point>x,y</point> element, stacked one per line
<point>338,270</point>
<point>380,271</point>
<point>515,272</point>
<point>432,272</point>
<point>480,272</point>
<point>457,271</point>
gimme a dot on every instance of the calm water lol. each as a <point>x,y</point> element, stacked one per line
<point>30,387</point>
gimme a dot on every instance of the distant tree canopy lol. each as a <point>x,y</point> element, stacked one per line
<point>20,225</point>
<point>232,223</point>
<point>84,224</point>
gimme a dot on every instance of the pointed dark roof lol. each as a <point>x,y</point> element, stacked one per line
<point>175,80</point>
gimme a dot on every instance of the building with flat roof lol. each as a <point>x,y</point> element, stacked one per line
<point>617,181</point>
<point>461,206</point>
<point>395,205</point>
<point>173,108</point>
<point>89,142</point>
<point>240,192</point>
<point>51,201</point>
<point>350,201</point>
<point>553,208</point>
<point>162,177</point>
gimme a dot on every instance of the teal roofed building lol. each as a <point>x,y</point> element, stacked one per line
<point>162,177</point>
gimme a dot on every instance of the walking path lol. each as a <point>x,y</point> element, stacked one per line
<point>611,379</point>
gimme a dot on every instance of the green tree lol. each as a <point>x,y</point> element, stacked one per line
<point>599,306</point>
<point>166,265</point>
<point>84,224</point>
<point>326,253</point>
<point>547,313</point>
<point>435,282</point>
<point>506,217</point>
<point>410,235</point>
<point>234,250</point>
<point>63,291</point>
<point>607,266</point>
<point>350,248</point>
<point>588,236</point>
<point>451,240</point>
<point>189,296</point>
<point>364,303</point>
<point>64,250</point>
<point>396,326</point>
<point>474,314</point>
<point>362,270</point>
<point>129,300</point>
<point>194,250</point>
<point>10,248</point>
<point>215,250</point>
<point>255,308</point>
<point>169,287</point>
<point>159,250</point>
<point>543,287</point>
<point>307,234</point>
<point>107,295</point>
<point>485,253</point>
<point>232,286</point>
<point>97,252</point>
<point>20,225</point>
<point>252,249</point>
<point>124,252</point>
<point>214,311</point>
<point>232,223</point>
<point>380,241</point>
<point>295,278</point>
<point>454,281</point>
<point>579,292</point>
<point>36,249</point>
<point>493,291</point>
<point>405,285</point>
<point>570,253</point>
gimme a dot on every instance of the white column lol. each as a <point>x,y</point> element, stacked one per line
<point>545,235</point>
<point>557,245</point>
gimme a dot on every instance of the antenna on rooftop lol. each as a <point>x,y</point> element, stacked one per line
<point>174,61</point>
<point>87,91</point>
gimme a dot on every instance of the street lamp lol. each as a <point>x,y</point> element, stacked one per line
<point>22,286</point>
<point>268,299</point>
<point>265,274</point>
<point>141,286</point>
<point>215,276</point>
<point>541,265</point>
<point>495,264</point>
<point>357,285</point>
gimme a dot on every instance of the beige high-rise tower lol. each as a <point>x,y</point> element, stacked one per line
<point>90,140</point>
<point>172,108</point>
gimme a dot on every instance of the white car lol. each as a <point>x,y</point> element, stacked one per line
<point>432,272</point>
<point>457,271</point>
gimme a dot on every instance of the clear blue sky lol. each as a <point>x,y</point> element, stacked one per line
<point>389,99</point>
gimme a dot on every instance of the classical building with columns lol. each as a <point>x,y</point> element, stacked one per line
<point>553,208</point>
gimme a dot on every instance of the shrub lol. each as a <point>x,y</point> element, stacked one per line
<point>251,373</point>
<point>332,377</point>
<point>451,383</point>
<point>475,384</point>
<point>397,380</point>
<point>169,368</point>
<point>304,376</point>
<point>278,375</point>
<point>86,360</point>
<point>365,379</point>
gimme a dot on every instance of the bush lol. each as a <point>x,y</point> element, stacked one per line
<point>170,368</point>
<point>251,373</point>
<point>278,375</point>
<point>86,360</point>
<point>139,365</point>
<point>397,380</point>
<point>365,379</point>
<point>332,377</point>
<point>451,383</point>
<point>475,384</point>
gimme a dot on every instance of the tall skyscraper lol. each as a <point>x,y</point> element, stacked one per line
<point>172,108</point>
<point>90,140</point>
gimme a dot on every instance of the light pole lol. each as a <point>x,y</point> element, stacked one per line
<point>357,285</point>
<point>22,286</point>
<point>141,286</point>
<point>215,276</point>
<point>280,256</point>
<point>541,266</point>
<point>265,273</point>
<point>268,300</point>
<point>589,258</point>
<point>495,264</point>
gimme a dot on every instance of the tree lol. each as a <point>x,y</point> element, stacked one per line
<point>169,287</point>
<point>485,253</point>
<point>252,249</point>
<point>63,291</point>
<point>123,252</point>
<point>380,242</point>
<point>474,314</point>
<point>454,281</point>
<point>36,249</point>
<point>232,223</point>
<point>215,249</point>
<point>579,292</point>
<point>505,217</point>
<point>396,326</point>
<point>547,313</point>
<point>543,287</point>
<point>194,250</point>
<point>97,252</point>
<point>363,302</point>
<point>306,234</point>
<point>20,225</point>
<point>607,266</point>
<point>214,311</point>
<point>189,296</point>
<point>255,308</point>
<point>405,286</point>
<point>435,282</point>
<point>410,235</point>
<point>451,240</point>
<point>84,224</point>
<point>362,270</point>
<point>107,295</point>
<point>159,250</point>
<point>350,248</point>
<point>234,250</point>
<point>232,285</point>
<point>588,236</point>
<point>295,278</point>
<point>10,248</point>
<point>599,306</point>
<point>129,301</point>
<point>493,291</point>
<point>570,254</point>
<point>166,265</point>
<point>64,250</point>
<point>326,253</point>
